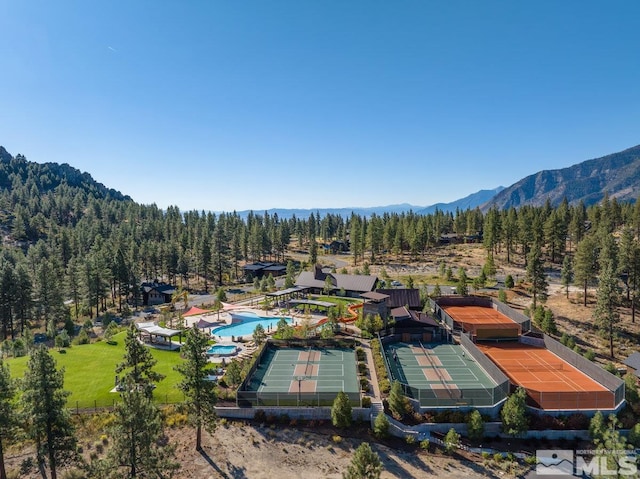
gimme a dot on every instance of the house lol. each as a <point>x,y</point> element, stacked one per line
<point>353,285</point>
<point>156,293</point>
<point>375,303</point>
<point>259,269</point>
<point>400,297</point>
<point>336,246</point>
<point>633,364</point>
<point>415,325</point>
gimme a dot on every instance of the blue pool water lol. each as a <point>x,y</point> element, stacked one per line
<point>221,350</point>
<point>248,323</point>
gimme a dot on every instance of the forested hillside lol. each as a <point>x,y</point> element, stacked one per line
<point>616,175</point>
<point>67,238</point>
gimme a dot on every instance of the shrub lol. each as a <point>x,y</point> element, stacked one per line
<point>366,401</point>
<point>424,444</point>
<point>83,337</point>
<point>497,457</point>
<point>19,348</point>
<point>381,426</point>
<point>410,439</point>
<point>385,386</point>
<point>451,440</point>
<point>360,354</point>
<point>336,439</point>
<point>590,355</point>
<point>284,418</point>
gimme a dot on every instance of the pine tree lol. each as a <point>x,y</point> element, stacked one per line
<point>137,365</point>
<point>365,464</point>
<point>462,287</point>
<point>514,413</point>
<point>451,440</point>
<point>566,275</point>
<point>47,419</point>
<point>475,425</point>
<point>8,415</point>
<point>341,411</point>
<point>585,263</point>
<point>137,431</point>
<point>259,335</point>
<point>536,276</point>
<point>605,314</point>
<point>199,392</point>
<point>381,426</point>
<point>233,374</point>
<point>397,400</point>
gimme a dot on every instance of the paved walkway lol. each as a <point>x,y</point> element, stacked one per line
<point>374,392</point>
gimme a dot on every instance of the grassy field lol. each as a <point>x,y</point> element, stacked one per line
<point>90,372</point>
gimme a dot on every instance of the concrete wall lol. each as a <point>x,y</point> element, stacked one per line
<point>308,413</point>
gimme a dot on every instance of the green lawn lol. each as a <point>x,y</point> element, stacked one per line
<point>90,372</point>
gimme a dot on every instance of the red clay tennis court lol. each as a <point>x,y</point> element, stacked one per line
<point>551,382</point>
<point>483,322</point>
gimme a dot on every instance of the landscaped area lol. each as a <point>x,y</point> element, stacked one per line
<point>90,372</point>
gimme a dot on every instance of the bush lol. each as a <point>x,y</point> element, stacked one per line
<point>497,457</point>
<point>381,426</point>
<point>590,355</point>
<point>19,348</point>
<point>410,439</point>
<point>424,444</point>
<point>360,354</point>
<point>82,338</point>
<point>366,401</point>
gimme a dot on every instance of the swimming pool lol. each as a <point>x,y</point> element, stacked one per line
<point>244,324</point>
<point>221,350</point>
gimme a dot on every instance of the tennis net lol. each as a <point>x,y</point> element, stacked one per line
<point>534,367</point>
<point>437,370</point>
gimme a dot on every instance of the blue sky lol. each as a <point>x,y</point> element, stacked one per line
<point>223,105</point>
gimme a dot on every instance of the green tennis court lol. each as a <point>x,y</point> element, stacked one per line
<point>439,374</point>
<point>303,376</point>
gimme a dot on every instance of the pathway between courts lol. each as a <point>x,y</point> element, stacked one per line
<point>374,393</point>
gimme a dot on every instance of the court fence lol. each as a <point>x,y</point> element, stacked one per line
<point>437,306</point>
<point>444,397</point>
<point>613,383</point>
<point>248,396</point>
<point>571,400</point>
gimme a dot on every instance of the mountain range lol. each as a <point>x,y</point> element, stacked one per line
<point>617,175</point>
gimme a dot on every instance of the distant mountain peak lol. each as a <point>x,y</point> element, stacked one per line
<point>617,175</point>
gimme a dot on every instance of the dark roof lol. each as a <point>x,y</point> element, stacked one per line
<point>402,297</point>
<point>348,282</point>
<point>160,287</point>
<point>400,313</point>
<point>276,267</point>
<point>423,318</point>
<point>253,267</point>
<point>633,361</point>
<point>374,296</point>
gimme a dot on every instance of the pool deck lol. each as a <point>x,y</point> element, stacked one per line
<point>224,319</point>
